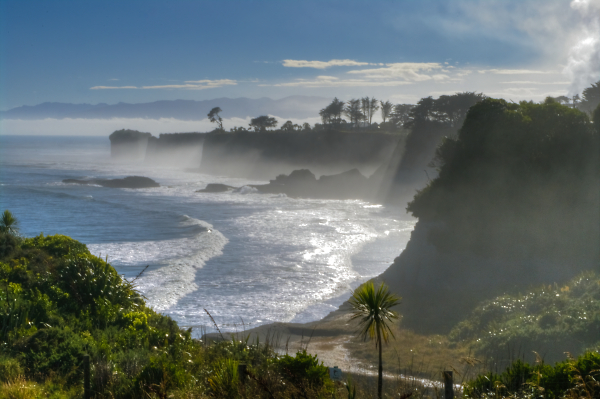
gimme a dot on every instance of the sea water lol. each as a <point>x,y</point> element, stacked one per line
<point>247,258</point>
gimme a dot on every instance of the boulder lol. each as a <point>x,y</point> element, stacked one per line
<point>215,188</point>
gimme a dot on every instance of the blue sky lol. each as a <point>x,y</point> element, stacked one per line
<point>141,51</point>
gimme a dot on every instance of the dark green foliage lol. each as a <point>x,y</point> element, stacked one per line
<point>590,98</point>
<point>303,369</point>
<point>58,303</point>
<point>162,374</point>
<point>564,379</point>
<point>549,320</point>
<point>53,351</point>
<point>8,244</point>
<point>332,114</point>
<point>56,246</point>
<point>430,121</point>
<point>596,119</point>
<point>448,110</point>
<point>262,123</point>
<point>8,223</point>
<point>10,369</point>
<point>519,176</point>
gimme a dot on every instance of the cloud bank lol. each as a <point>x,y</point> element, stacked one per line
<point>322,64</point>
<point>188,85</point>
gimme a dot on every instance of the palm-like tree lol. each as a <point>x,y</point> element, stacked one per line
<point>8,223</point>
<point>373,309</point>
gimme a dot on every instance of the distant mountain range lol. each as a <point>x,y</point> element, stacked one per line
<point>299,107</point>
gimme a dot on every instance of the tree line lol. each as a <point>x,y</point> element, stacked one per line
<point>358,113</point>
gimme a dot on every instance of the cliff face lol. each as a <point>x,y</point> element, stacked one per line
<point>259,155</point>
<point>439,288</point>
<point>128,145</point>
<point>516,204</point>
<point>264,155</point>
<point>175,149</point>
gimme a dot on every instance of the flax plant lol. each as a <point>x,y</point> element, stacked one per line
<point>372,307</point>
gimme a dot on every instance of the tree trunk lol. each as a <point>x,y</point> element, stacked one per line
<point>380,378</point>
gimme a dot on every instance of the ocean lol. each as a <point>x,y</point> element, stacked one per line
<point>247,258</point>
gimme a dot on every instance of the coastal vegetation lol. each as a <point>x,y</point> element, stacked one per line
<point>59,303</point>
<point>515,204</point>
<point>505,169</point>
<point>517,183</point>
<point>549,319</point>
<point>373,308</point>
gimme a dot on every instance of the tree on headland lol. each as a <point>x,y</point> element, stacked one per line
<point>353,112</point>
<point>332,114</point>
<point>364,108</point>
<point>590,98</point>
<point>373,107</point>
<point>449,110</point>
<point>372,307</point>
<point>386,110</point>
<point>261,123</point>
<point>400,114</point>
<point>8,223</point>
<point>214,117</point>
<point>288,126</point>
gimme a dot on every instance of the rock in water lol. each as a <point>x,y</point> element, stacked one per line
<point>127,182</point>
<point>215,188</point>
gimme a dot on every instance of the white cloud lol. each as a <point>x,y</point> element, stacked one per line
<point>512,71</point>
<point>321,64</point>
<point>440,77</point>
<point>531,82</point>
<point>112,87</point>
<point>331,81</point>
<point>410,71</point>
<point>188,85</point>
<point>583,66</point>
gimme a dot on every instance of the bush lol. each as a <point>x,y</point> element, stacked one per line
<point>53,351</point>
<point>10,369</point>
<point>303,369</point>
<point>565,378</point>
<point>161,374</point>
<point>551,320</point>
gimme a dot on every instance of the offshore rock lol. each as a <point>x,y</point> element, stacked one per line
<point>215,188</point>
<point>302,183</point>
<point>127,182</point>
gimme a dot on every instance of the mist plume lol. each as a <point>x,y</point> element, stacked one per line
<point>583,67</point>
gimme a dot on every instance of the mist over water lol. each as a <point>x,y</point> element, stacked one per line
<point>242,255</point>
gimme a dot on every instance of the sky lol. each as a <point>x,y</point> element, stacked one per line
<point>398,50</point>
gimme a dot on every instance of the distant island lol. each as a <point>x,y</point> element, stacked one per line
<point>289,107</point>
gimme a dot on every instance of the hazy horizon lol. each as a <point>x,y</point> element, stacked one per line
<point>136,52</point>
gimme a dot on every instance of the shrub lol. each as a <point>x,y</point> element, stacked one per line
<point>53,351</point>
<point>161,374</point>
<point>562,379</point>
<point>10,369</point>
<point>548,319</point>
<point>303,369</point>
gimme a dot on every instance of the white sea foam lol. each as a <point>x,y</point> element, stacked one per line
<point>174,262</point>
<point>259,257</point>
<point>245,190</point>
